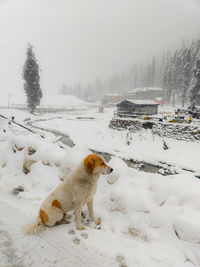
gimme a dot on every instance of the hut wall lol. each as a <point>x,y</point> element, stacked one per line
<point>147,110</point>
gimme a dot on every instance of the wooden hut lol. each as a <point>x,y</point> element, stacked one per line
<point>136,107</point>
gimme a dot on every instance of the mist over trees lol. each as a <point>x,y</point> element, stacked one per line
<point>32,80</point>
<point>176,71</point>
<point>195,87</point>
<point>179,74</point>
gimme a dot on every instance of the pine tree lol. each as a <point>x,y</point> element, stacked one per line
<point>178,68</point>
<point>169,76</point>
<point>186,76</point>
<point>195,89</point>
<point>32,80</point>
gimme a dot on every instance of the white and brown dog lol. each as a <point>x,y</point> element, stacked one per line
<point>76,190</point>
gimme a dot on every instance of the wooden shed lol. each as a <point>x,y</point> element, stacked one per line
<point>137,107</point>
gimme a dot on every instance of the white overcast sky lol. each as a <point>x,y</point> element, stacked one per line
<point>85,39</point>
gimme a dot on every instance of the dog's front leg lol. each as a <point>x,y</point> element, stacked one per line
<point>91,212</point>
<point>77,212</point>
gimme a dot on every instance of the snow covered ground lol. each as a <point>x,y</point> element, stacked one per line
<point>95,134</point>
<point>147,219</point>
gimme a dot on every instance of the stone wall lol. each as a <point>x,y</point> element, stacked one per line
<point>177,131</point>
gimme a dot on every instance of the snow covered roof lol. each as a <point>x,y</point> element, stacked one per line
<point>139,102</point>
<point>159,98</point>
<point>145,89</point>
<point>111,95</point>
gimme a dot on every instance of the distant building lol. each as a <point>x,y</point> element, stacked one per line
<point>159,100</point>
<point>137,107</point>
<point>111,99</point>
<point>150,93</point>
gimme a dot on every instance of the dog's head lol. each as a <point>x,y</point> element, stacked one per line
<point>95,164</point>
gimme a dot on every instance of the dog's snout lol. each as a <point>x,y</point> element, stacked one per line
<point>111,169</point>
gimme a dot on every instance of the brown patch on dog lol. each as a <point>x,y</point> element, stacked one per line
<point>89,165</point>
<point>44,216</point>
<point>92,161</point>
<point>56,203</point>
<point>31,150</point>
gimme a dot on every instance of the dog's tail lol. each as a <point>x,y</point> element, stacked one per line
<point>33,228</point>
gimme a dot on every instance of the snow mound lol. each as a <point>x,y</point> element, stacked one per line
<point>187,225</point>
<point>119,166</point>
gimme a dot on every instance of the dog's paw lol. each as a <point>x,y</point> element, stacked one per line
<point>67,216</point>
<point>98,221</point>
<point>81,227</point>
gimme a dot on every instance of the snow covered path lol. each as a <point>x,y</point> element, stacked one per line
<point>48,249</point>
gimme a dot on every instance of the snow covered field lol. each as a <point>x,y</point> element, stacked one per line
<point>95,134</point>
<point>147,219</point>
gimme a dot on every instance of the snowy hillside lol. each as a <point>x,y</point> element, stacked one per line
<point>63,101</point>
<point>47,101</point>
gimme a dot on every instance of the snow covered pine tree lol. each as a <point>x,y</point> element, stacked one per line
<point>195,88</point>
<point>32,80</point>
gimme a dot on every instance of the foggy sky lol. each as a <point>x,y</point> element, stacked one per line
<point>85,39</point>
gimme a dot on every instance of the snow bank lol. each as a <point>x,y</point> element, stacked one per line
<point>119,169</point>
<point>13,153</point>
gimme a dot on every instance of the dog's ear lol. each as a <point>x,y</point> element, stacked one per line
<point>89,165</point>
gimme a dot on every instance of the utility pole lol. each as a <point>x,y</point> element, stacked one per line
<point>9,97</point>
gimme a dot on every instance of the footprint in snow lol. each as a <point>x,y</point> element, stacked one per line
<point>76,241</point>
<point>71,232</point>
<point>84,235</point>
<point>122,261</point>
